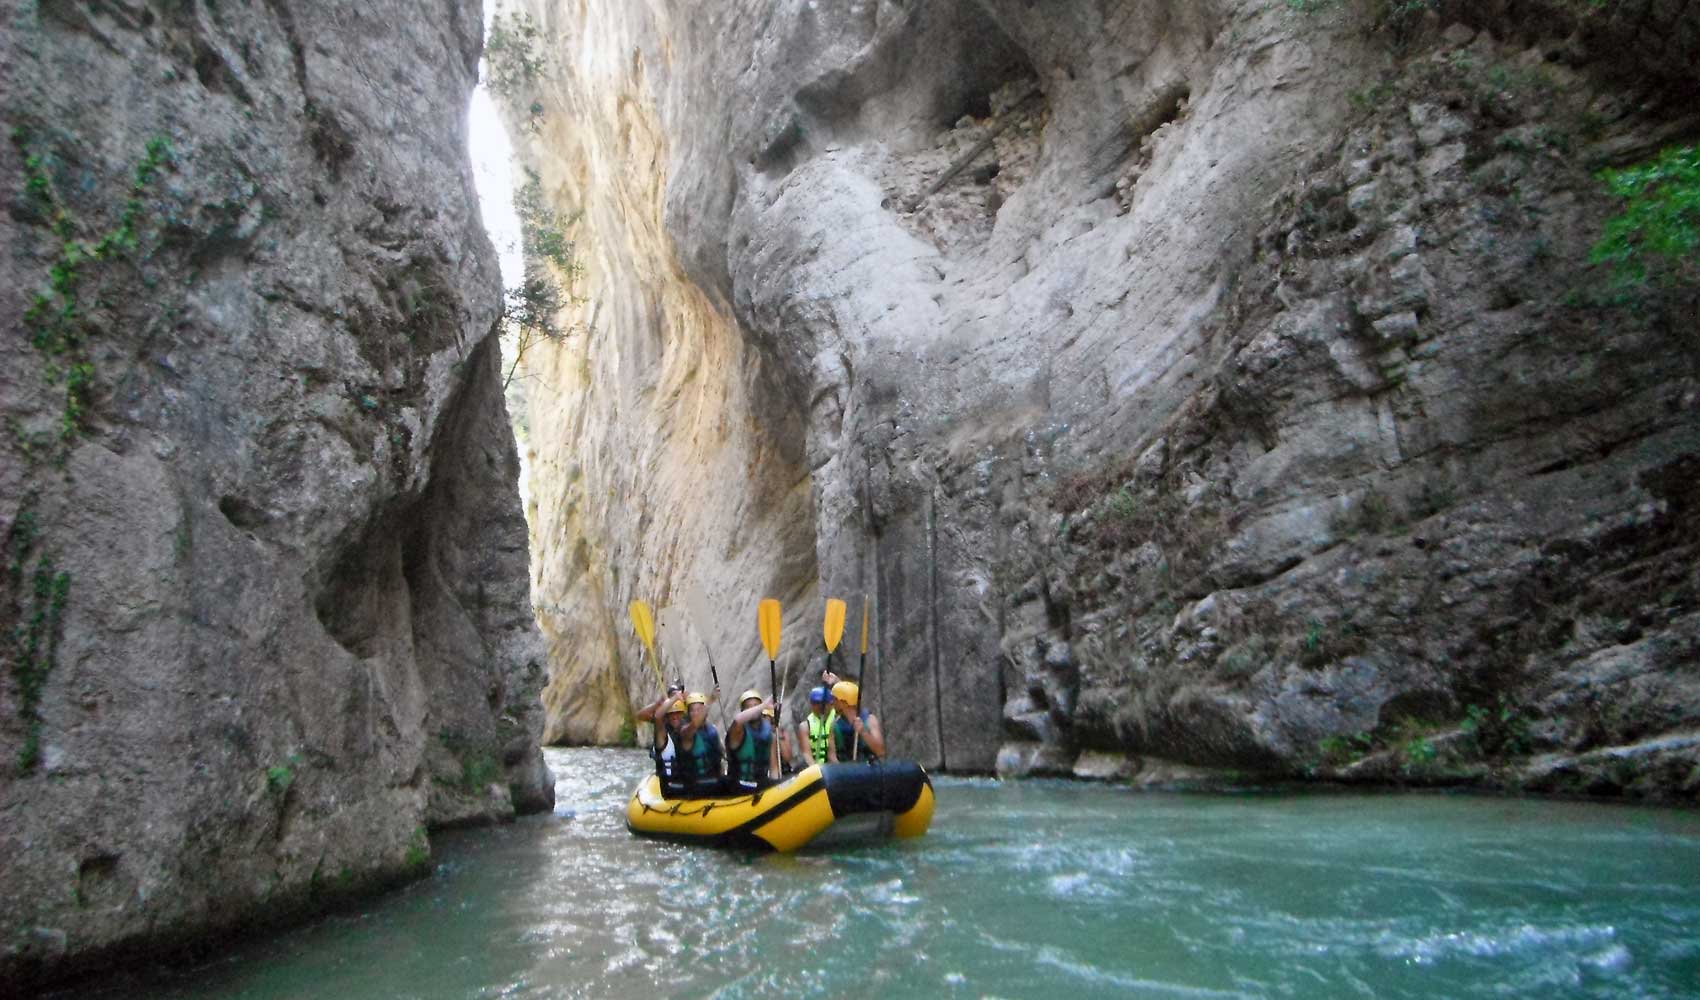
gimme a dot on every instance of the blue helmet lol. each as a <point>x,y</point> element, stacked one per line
<point>819,696</point>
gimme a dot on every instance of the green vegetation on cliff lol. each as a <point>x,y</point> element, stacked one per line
<point>1658,233</point>
<point>56,318</point>
<point>35,637</point>
<point>515,63</point>
<point>59,323</point>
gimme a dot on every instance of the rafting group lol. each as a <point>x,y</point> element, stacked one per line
<point>692,762</point>
<point>763,784</point>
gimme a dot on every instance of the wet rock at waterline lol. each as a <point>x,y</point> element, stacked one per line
<point>1246,400</point>
<point>264,611</point>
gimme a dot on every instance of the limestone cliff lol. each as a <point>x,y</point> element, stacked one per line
<point>265,610</point>
<point>1247,400</point>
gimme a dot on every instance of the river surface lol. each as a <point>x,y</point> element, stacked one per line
<point>1032,889</point>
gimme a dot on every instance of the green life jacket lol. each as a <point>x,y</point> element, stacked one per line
<point>749,759</point>
<point>700,765</point>
<point>820,731</point>
<point>845,734</point>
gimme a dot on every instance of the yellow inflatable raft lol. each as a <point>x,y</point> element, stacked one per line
<point>894,798</point>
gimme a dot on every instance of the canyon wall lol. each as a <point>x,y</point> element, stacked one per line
<point>265,610</point>
<point>1247,400</point>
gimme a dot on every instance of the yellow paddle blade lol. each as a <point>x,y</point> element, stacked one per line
<point>768,615</point>
<point>865,606</point>
<point>834,630</point>
<point>643,620</point>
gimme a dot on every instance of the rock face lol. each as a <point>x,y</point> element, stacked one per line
<point>1248,401</point>
<point>265,609</point>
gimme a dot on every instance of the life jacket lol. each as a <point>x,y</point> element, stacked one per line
<point>705,755</point>
<point>820,731</point>
<point>668,767</point>
<point>845,735</point>
<point>749,759</point>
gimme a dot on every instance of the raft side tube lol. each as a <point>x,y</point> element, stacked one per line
<point>757,819</point>
<point>891,786</point>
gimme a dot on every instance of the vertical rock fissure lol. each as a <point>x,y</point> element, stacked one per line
<point>872,543</point>
<point>933,619</point>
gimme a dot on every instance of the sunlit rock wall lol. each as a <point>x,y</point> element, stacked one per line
<point>1248,401</point>
<point>264,607</point>
<point>666,448</point>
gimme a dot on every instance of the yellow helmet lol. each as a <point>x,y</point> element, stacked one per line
<point>677,706</point>
<point>696,698</point>
<point>747,695</point>
<point>847,692</point>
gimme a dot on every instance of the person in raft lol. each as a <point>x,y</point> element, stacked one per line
<point>752,754</point>
<point>666,723</point>
<point>856,733</point>
<point>815,731</point>
<point>700,742</point>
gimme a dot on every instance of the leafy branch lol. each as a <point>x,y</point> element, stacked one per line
<point>529,311</point>
<point>543,231</point>
<point>512,59</point>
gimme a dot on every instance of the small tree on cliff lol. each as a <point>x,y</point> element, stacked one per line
<point>552,271</point>
<point>528,311</point>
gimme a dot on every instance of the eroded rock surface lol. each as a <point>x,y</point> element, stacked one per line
<point>1248,402</point>
<point>265,609</point>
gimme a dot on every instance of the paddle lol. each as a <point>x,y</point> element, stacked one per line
<point>768,616</point>
<point>833,628</point>
<point>687,613</point>
<point>694,608</point>
<point>643,620</point>
<point>776,764</point>
<point>861,677</point>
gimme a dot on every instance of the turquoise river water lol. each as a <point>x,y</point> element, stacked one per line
<point>1032,889</point>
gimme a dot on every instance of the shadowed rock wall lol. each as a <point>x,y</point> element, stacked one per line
<point>1248,401</point>
<point>265,609</point>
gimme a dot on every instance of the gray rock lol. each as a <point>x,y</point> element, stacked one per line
<point>1095,765</point>
<point>1458,35</point>
<point>279,502</point>
<point>1398,328</point>
<point>1437,125</point>
<point>1034,760</point>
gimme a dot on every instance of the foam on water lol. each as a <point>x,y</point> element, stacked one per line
<point>1523,939</point>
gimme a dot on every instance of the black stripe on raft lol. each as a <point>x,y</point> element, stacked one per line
<point>742,835</point>
<point>802,795</point>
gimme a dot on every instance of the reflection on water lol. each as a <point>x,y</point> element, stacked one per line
<point>1022,890</point>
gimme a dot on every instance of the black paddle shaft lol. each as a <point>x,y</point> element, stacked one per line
<point>861,696</point>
